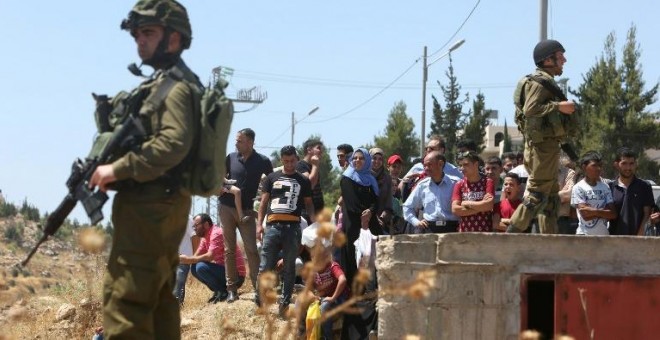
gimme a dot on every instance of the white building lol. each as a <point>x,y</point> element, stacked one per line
<point>494,140</point>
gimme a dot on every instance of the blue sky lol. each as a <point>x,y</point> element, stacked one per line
<point>334,55</point>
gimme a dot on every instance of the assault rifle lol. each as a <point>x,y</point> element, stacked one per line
<point>127,136</point>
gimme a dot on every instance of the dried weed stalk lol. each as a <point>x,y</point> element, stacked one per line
<point>327,234</point>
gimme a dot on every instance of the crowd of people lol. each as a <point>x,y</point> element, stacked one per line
<point>144,283</point>
<point>377,198</point>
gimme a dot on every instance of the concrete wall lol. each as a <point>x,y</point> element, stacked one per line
<point>477,293</point>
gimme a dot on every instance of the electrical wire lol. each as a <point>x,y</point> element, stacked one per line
<point>355,107</point>
<point>357,84</point>
<point>384,88</point>
<point>370,98</point>
<point>458,30</point>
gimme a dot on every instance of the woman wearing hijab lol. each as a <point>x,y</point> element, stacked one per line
<point>384,180</point>
<point>359,191</point>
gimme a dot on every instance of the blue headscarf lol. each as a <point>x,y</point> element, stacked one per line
<point>363,176</point>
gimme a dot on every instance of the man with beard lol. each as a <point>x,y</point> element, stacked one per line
<point>150,209</point>
<point>633,198</point>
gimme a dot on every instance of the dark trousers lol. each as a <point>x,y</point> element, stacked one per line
<point>567,225</point>
<point>449,227</point>
<point>212,275</point>
<point>284,236</point>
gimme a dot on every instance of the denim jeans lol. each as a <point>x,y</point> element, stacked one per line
<point>326,326</point>
<point>180,283</point>
<point>210,274</point>
<point>286,237</point>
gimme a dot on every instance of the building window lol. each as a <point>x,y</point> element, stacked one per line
<point>498,138</point>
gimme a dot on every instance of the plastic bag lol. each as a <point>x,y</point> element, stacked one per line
<point>365,249</point>
<point>312,321</point>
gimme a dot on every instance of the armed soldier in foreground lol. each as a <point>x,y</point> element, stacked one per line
<point>542,113</point>
<point>150,208</point>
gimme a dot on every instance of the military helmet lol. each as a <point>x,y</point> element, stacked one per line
<point>168,13</point>
<point>545,49</point>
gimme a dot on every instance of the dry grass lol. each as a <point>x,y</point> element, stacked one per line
<point>31,301</point>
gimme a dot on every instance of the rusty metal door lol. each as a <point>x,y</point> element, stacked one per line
<point>607,307</point>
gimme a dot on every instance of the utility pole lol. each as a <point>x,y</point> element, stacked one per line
<point>293,121</point>
<point>543,32</point>
<point>424,78</point>
<point>293,126</point>
<point>425,72</point>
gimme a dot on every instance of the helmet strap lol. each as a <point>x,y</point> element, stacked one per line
<point>161,59</point>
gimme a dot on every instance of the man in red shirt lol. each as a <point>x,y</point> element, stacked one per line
<point>208,263</point>
<point>510,200</point>
<point>473,196</point>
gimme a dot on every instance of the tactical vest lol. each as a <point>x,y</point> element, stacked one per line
<point>145,101</point>
<point>554,125</point>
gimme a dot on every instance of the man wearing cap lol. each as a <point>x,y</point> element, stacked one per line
<point>150,211</point>
<point>395,167</point>
<point>539,114</point>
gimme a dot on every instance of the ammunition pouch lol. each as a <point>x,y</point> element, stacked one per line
<point>100,142</point>
<point>533,199</point>
<point>534,129</point>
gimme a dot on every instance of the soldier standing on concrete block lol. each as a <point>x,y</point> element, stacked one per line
<point>540,115</point>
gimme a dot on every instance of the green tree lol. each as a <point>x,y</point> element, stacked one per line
<point>447,122</point>
<point>399,136</point>
<point>507,147</point>
<point>14,231</point>
<point>29,211</point>
<point>475,127</point>
<point>109,229</point>
<point>7,209</point>
<point>614,106</point>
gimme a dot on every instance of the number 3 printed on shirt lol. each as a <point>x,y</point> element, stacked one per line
<point>287,196</point>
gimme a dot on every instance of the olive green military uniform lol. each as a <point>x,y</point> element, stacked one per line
<point>150,211</point>
<point>544,133</point>
<point>149,214</point>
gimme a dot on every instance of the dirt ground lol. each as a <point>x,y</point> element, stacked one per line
<point>36,302</point>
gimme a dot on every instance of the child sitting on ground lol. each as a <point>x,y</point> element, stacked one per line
<point>331,290</point>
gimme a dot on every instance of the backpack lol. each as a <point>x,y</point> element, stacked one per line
<point>204,168</point>
<point>519,103</point>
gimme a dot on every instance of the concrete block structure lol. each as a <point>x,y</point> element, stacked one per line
<point>493,285</point>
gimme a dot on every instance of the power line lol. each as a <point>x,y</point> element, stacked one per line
<point>357,106</point>
<point>458,30</point>
<point>286,79</point>
<point>279,136</point>
<point>384,88</point>
<point>370,98</point>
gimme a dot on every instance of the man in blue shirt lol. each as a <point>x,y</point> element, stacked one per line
<point>432,196</point>
<point>436,143</point>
